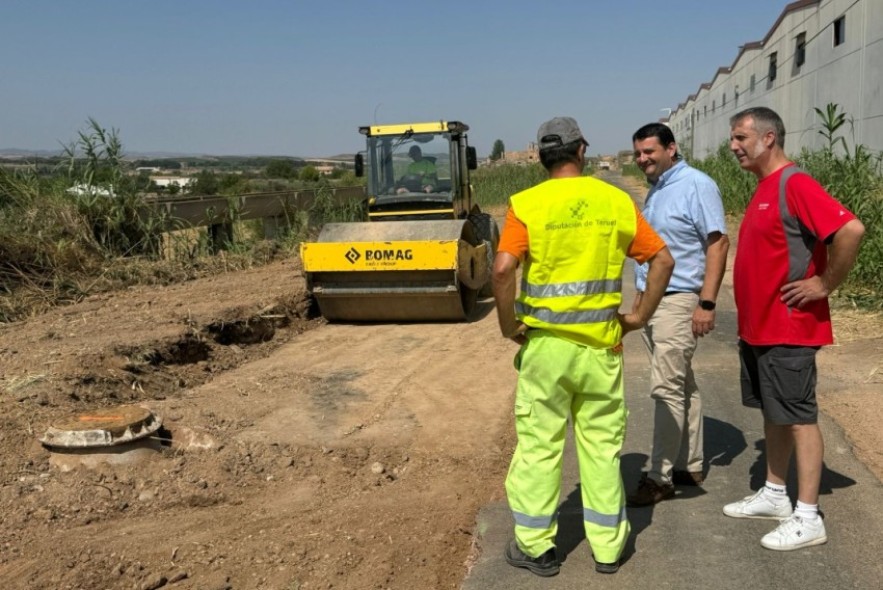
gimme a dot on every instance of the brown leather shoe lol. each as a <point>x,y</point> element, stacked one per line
<point>687,478</point>
<point>649,492</point>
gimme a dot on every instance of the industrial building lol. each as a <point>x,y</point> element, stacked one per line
<point>817,52</point>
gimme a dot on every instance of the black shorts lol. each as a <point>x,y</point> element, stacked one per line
<point>781,381</point>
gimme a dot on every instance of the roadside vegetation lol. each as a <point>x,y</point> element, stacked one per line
<point>495,184</point>
<point>76,224</point>
<point>853,176</point>
<point>631,169</point>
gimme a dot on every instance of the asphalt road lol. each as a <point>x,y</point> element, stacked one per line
<point>687,542</point>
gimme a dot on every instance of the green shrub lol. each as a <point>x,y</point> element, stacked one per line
<point>735,184</point>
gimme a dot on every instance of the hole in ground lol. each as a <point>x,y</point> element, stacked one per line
<point>186,350</point>
<point>248,331</point>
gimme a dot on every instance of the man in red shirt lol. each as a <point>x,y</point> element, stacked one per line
<point>796,245</point>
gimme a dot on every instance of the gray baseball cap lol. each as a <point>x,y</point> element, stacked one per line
<point>558,132</point>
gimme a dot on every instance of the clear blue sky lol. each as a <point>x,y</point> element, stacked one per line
<point>298,78</point>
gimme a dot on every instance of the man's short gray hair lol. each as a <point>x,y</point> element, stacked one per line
<point>765,120</point>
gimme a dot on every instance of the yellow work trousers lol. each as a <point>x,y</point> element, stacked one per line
<point>557,379</point>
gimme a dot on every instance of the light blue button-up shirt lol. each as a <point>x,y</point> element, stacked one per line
<point>684,207</point>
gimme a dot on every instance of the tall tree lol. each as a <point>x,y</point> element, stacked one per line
<point>281,169</point>
<point>498,150</point>
<point>309,173</point>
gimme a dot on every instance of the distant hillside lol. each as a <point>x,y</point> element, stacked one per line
<point>16,153</point>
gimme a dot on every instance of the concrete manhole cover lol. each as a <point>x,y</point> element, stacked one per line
<point>118,436</point>
<point>102,428</point>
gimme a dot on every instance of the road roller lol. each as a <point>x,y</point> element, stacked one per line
<point>425,251</point>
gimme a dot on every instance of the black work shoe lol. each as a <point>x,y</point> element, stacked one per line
<point>649,492</point>
<point>545,565</point>
<point>606,568</point>
<point>687,478</point>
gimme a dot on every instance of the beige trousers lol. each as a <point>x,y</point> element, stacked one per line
<point>677,421</point>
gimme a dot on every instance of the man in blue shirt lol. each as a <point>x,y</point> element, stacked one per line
<point>684,207</point>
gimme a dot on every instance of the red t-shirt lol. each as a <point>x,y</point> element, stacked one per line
<point>761,266</point>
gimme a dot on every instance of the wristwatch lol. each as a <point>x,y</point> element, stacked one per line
<point>707,304</point>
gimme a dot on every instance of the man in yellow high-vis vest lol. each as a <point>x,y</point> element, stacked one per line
<point>421,171</point>
<point>572,234</point>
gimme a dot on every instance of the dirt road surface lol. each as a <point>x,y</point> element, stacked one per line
<point>295,454</point>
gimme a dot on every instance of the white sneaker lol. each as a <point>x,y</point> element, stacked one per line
<point>796,533</point>
<point>758,506</point>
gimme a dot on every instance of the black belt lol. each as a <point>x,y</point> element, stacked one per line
<point>667,293</point>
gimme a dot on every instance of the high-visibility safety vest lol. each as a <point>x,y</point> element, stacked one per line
<point>425,169</point>
<point>579,232</point>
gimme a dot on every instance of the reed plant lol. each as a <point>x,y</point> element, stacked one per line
<point>107,195</point>
<point>735,184</point>
<point>47,250</point>
<point>631,169</point>
<point>326,210</point>
<point>854,177</point>
<point>495,184</point>
<point>855,180</point>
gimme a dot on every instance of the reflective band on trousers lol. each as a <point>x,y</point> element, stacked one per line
<point>565,317</point>
<point>533,522</point>
<point>608,520</point>
<point>572,289</point>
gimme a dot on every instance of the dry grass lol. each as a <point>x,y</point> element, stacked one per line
<point>851,324</point>
<point>30,298</point>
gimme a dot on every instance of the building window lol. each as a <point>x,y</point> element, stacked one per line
<point>800,50</point>
<point>724,100</point>
<point>840,30</point>
<point>705,108</point>
<point>752,83</point>
<point>713,106</point>
<point>772,73</point>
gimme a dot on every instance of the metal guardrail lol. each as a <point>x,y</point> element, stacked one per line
<point>206,211</point>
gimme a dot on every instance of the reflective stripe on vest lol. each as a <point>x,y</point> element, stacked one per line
<point>571,289</point>
<point>566,317</point>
